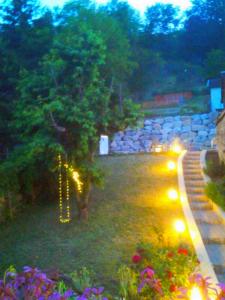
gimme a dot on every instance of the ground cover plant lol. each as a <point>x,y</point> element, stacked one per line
<point>215,169</point>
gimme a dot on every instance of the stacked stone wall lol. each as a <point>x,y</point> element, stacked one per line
<point>196,132</point>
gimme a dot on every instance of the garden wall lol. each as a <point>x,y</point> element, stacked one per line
<point>221,136</point>
<point>195,132</point>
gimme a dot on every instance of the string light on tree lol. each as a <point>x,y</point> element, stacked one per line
<point>62,218</point>
<point>76,178</point>
<point>67,194</point>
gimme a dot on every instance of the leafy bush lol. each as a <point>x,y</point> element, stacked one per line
<point>190,109</point>
<point>215,169</point>
<point>216,192</point>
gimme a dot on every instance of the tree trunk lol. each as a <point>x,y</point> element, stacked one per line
<point>121,97</point>
<point>82,201</point>
<point>9,206</point>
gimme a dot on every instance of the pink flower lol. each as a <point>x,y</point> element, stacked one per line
<point>136,258</point>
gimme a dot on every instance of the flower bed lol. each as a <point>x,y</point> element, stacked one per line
<point>165,273</point>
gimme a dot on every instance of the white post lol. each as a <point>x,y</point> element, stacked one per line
<point>104,145</point>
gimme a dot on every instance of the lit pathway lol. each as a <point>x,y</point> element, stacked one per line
<point>210,224</point>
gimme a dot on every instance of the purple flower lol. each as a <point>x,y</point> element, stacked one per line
<point>222,287</point>
<point>147,272</point>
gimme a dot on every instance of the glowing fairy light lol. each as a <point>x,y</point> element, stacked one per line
<point>67,195</point>
<point>64,206</point>
<point>176,147</point>
<point>179,226</point>
<point>158,149</point>
<point>171,165</point>
<point>76,178</point>
<point>63,219</point>
<point>172,194</point>
<point>195,294</point>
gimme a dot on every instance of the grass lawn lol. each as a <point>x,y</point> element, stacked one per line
<point>132,207</point>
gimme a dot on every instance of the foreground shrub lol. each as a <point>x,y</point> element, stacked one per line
<point>154,273</point>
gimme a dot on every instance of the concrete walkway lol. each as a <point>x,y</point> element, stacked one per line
<point>210,224</point>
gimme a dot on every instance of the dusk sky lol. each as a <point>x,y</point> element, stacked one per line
<point>138,4</point>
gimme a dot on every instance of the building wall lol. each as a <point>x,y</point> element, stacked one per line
<point>221,136</point>
<point>216,99</point>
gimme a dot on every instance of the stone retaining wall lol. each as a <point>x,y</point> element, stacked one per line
<point>195,132</point>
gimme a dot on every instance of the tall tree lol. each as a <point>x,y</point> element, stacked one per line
<point>204,29</point>
<point>65,106</point>
<point>25,36</point>
<point>162,18</point>
<point>214,63</point>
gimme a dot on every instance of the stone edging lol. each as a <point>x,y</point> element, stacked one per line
<point>205,266</point>
<point>220,117</point>
<point>207,179</point>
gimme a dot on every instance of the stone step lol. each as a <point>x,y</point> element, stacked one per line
<point>193,152</point>
<point>216,254</point>
<point>192,160</point>
<point>201,205</point>
<point>192,155</point>
<point>195,183</point>
<point>212,234</point>
<point>208,217</point>
<point>193,177</point>
<point>190,167</point>
<point>196,197</point>
<point>221,277</point>
<point>192,172</point>
<point>195,189</point>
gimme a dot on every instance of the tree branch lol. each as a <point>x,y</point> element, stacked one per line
<point>55,125</point>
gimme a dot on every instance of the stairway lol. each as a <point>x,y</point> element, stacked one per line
<point>211,226</point>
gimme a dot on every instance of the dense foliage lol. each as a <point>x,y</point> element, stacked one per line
<point>67,76</point>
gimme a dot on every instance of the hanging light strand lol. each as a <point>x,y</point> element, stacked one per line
<point>62,219</point>
<point>67,194</point>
